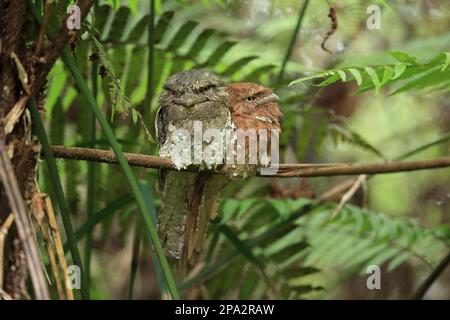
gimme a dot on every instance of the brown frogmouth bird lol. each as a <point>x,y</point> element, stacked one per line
<point>190,98</point>
<point>253,107</point>
<point>190,199</point>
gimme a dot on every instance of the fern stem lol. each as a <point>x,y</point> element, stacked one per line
<point>90,201</point>
<point>70,63</point>
<point>293,39</point>
<point>441,139</point>
<point>422,290</point>
<point>134,258</point>
<point>150,61</point>
<point>90,206</point>
<point>58,191</point>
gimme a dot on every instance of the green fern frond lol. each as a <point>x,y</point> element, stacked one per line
<point>408,74</point>
<point>353,240</point>
<point>345,134</point>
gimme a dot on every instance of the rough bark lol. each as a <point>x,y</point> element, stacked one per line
<point>21,146</point>
<point>23,72</point>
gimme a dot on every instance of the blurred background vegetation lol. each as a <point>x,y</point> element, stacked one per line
<point>273,237</point>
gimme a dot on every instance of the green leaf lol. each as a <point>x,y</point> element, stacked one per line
<point>335,77</point>
<point>249,285</point>
<point>316,76</point>
<point>399,69</point>
<point>182,34</point>
<point>162,25</point>
<point>219,52</point>
<point>237,65</point>
<point>239,244</point>
<point>134,115</point>
<point>229,209</point>
<point>342,75</point>
<point>374,77</point>
<point>357,75</point>
<point>345,134</point>
<point>398,260</point>
<point>403,57</point>
<point>200,43</point>
<point>446,62</point>
<point>119,23</point>
<point>428,80</point>
<point>101,17</point>
<point>138,30</point>
<point>387,75</point>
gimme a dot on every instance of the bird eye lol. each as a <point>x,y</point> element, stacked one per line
<point>250,98</point>
<point>173,92</point>
<point>204,89</point>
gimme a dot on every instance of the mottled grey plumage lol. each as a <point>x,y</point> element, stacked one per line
<point>195,95</point>
<point>189,96</point>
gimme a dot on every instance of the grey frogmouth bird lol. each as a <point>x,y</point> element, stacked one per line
<point>189,198</point>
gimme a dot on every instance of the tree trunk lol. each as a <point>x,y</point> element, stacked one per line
<point>15,131</point>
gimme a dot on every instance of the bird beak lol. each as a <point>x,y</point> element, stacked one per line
<point>270,98</point>
<point>189,100</point>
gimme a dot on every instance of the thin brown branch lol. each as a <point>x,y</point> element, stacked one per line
<point>43,28</point>
<point>348,195</point>
<point>23,224</point>
<point>335,192</point>
<point>357,169</point>
<point>105,156</point>
<point>285,170</point>
<point>422,290</point>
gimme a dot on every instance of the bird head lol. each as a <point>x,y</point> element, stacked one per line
<point>193,87</point>
<point>251,100</point>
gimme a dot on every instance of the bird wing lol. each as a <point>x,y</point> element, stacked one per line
<point>159,127</point>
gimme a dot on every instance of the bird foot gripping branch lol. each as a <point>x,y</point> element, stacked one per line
<point>202,121</point>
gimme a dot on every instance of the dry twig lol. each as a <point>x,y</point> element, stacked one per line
<point>349,194</point>
<point>46,220</point>
<point>23,224</point>
<point>4,228</point>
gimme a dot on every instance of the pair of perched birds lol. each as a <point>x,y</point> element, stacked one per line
<point>190,199</point>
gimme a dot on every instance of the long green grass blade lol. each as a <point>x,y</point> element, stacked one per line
<point>240,245</point>
<point>134,258</point>
<point>82,85</point>
<point>90,201</point>
<point>59,192</point>
<point>150,62</point>
<point>293,39</point>
<point>148,194</point>
<point>444,138</point>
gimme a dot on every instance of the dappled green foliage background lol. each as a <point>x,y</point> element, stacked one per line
<point>380,95</point>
